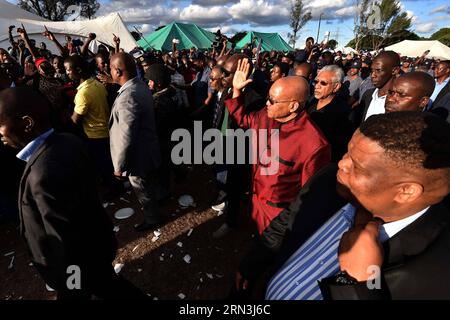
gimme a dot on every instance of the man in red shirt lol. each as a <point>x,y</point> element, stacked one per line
<point>302,148</point>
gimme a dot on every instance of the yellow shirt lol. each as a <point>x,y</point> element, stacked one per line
<point>91,102</point>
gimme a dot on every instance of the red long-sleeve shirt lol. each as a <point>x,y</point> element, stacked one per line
<point>303,150</point>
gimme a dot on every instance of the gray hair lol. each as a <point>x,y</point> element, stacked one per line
<point>338,74</point>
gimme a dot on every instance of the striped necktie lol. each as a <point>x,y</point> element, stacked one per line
<point>316,259</point>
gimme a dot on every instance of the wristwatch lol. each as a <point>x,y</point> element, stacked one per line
<point>344,279</point>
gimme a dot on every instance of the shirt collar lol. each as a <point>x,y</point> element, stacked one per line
<point>85,83</point>
<point>444,82</point>
<point>125,85</point>
<point>26,153</point>
<point>376,97</point>
<point>388,230</point>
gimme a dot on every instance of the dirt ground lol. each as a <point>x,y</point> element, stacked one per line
<point>157,267</point>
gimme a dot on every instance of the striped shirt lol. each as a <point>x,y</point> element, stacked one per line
<point>316,259</point>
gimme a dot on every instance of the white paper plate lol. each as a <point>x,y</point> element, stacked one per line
<point>124,213</point>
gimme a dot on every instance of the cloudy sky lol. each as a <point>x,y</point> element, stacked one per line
<point>267,15</point>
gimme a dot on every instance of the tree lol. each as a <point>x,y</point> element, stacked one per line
<point>384,21</point>
<point>442,35</point>
<point>332,44</point>
<point>57,10</point>
<point>360,21</point>
<point>298,20</point>
<point>364,42</point>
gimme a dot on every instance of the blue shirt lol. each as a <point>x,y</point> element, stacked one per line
<point>26,153</point>
<point>316,259</point>
<point>437,89</point>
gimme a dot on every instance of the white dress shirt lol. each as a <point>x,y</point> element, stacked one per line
<point>376,105</point>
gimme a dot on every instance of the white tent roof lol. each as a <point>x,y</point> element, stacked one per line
<point>103,27</point>
<point>415,48</point>
<point>346,50</point>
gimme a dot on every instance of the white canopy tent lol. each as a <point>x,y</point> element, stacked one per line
<point>346,50</point>
<point>415,48</point>
<point>103,27</point>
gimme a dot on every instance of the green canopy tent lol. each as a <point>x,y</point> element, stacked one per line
<point>270,41</point>
<point>190,35</point>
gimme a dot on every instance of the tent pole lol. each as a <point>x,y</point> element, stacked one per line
<point>142,36</point>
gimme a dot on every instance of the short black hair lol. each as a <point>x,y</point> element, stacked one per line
<point>284,67</point>
<point>159,74</point>
<point>20,101</point>
<point>411,139</point>
<point>76,61</point>
<point>446,62</point>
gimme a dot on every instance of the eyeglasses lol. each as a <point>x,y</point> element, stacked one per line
<point>321,82</point>
<point>214,79</point>
<point>272,102</point>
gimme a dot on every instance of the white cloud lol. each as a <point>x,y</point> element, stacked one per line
<point>204,15</point>
<point>445,8</point>
<point>425,27</point>
<point>213,2</point>
<point>260,12</point>
<point>210,13</point>
<point>411,15</point>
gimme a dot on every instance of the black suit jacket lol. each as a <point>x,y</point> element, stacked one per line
<point>358,113</point>
<point>416,263</point>
<point>62,219</point>
<point>441,95</point>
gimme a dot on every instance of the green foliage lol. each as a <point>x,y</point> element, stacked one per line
<point>332,44</point>
<point>298,20</point>
<point>394,25</point>
<point>56,10</point>
<point>440,33</point>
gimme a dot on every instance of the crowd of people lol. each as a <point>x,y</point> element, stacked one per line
<point>363,163</point>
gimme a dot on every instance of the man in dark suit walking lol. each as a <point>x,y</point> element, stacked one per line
<point>68,233</point>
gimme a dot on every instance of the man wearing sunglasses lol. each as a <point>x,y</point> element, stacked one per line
<point>330,112</point>
<point>302,147</point>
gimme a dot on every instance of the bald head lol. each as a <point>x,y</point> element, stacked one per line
<point>303,70</point>
<point>221,60</point>
<point>389,58</point>
<point>410,92</point>
<point>287,97</point>
<point>231,63</point>
<point>123,67</point>
<point>292,88</point>
<point>423,83</point>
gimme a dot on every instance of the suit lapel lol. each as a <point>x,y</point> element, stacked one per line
<point>26,172</point>
<point>443,92</point>
<point>416,237</point>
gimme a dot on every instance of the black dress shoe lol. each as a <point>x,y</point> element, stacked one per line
<point>144,226</point>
